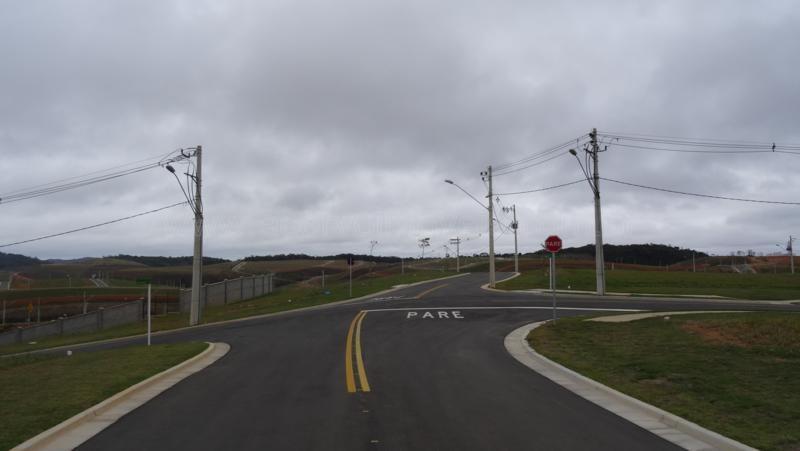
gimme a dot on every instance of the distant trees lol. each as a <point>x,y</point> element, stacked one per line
<point>642,254</point>
<point>17,260</point>
<point>160,262</point>
<point>362,257</point>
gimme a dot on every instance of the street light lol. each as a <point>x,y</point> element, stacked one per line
<point>491,221</point>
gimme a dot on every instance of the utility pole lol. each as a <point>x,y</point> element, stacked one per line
<point>791,253</point>
<point>488,174</point>
<point>197,262</point>
<point>598,222</point>
<point>457,242</point>
<point>514,225</point>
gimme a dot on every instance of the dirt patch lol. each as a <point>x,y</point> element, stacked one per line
<point>714,334</point>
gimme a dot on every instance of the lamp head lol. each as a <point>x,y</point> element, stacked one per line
<point>572,151</point>
<point>170,168</point>
<point>449,181</point>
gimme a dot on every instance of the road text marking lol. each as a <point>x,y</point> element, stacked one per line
<point>438,314</point>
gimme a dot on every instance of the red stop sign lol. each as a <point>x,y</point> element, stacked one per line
<point>553,243</point>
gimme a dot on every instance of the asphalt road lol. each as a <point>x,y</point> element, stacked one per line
<point>432,358</point>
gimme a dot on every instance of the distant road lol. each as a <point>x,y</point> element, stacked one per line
<point>100,283</point>
<point>422,368</point>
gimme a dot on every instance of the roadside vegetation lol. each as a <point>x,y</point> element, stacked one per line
<point>287,297</point>
<point>41,391</point>
<point>741,286</point>
<point>735,374</point>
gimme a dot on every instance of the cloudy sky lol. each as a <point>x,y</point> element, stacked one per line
<point>328,124</point>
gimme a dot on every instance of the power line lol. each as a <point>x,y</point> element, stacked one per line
<point>738,199</point>
<point>541,189</point>
<point>96,177</point>
<point>530,165</point>
<point>707,143</point>
<point>92,226</point>
<point>541,154</point>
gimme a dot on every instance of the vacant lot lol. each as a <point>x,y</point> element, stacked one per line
<point>735,374</point>
<point>288,297</point>
<point>743,286</point>
<point>42,391</point>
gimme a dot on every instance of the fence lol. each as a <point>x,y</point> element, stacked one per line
<point>88,322</point>
<point>230,291</point>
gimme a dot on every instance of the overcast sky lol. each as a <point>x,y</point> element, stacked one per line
<point>328,124</point>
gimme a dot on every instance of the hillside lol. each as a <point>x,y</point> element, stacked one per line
<point>638,254</point>
<point>17,260</point>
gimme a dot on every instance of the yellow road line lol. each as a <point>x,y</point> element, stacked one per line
<point>426,292</point>
<point>362,373</point>
<point>349,378</point>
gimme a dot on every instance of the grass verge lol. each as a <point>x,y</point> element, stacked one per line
<point>42,391</point>
<point>741,286</point>
<point>735,374</point>
<point>300,295</point>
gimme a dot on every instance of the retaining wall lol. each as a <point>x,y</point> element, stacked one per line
<point>230,291</point>
<point>103,318</point>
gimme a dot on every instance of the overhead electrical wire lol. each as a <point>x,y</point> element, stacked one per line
<point>504,168</point>
<point>86,179</point>
<point>541,189</point>
<point>738,199</point>
<point>92,226</point>
<point>679,143</point>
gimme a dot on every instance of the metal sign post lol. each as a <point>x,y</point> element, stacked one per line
<point>350,263</point>
<point>553,244</point>
<point>149,317</point>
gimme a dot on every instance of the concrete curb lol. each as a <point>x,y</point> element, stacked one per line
<point>640,316</point>
<point>670,427</point>
<point>486,285</point>
<point>233,321</point>
<point>649,297</point>
<point>73,432</point>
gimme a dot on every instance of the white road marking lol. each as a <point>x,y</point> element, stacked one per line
<point>580,309</point>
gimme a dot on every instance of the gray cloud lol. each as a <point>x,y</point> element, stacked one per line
<point>329,124</point>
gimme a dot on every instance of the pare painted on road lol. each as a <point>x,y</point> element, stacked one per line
<point>437,314</point>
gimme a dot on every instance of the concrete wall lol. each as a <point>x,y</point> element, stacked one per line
<point>230,291</point>
<point>104,318</point>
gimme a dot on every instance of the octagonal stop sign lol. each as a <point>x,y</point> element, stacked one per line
<point>553,243</point>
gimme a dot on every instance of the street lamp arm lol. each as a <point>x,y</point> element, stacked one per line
<point>467,193</point>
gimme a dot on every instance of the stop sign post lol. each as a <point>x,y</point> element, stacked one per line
<point>553,244</point>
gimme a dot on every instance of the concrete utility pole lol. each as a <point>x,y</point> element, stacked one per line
<point>594,182</point>
<point>598,221</point>
<point>457,242</point>
<point>197,262</point>
<point>514,226</point>
<point>488,174</point>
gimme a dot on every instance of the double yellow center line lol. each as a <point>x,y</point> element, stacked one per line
<point>353,347</point>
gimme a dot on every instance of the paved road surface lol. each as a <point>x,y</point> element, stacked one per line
<point>437,381</point>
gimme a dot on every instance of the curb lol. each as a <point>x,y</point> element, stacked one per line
<point>232,321</point>
<point>670,427</point>
<point>512,276</point>
<point>649,297</point>
<point>71,433</point>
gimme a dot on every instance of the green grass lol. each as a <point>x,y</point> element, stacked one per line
<point>741,286</point>
<point>299,294</point>
<point>735,374</point>
<point>42,391</point>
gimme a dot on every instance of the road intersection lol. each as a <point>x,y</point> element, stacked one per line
<point>422,368</point>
